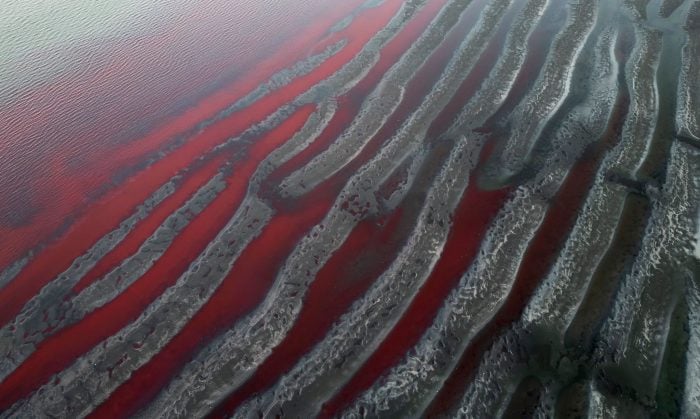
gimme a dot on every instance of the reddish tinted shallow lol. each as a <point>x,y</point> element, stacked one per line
<point>170,176</point>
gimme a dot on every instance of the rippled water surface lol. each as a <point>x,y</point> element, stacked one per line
<point>357,208</point>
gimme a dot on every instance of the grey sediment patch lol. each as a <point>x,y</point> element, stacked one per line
<point>332,362</point>
<point>500,370</point>
<point>369,4</point>
<point>584,329</point>
<point>413,165</point>
<point>515,355</point>
<point>136,265</point>
<point>324,94</point>
<point>637,9</point>
<point>690,404</point>
<point>631,397</point>
<point>551,88</point>
<point>133,267</point>
<point>344,23</point>
<point>693,22</point>
<point>283,78</point>
<point>12,270</point>
<point>604,404</point>
<point>532,398</point>
<point>15,345</point>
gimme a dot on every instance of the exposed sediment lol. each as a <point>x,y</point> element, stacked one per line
<point>316,374</point>
<point>377,108</point>
<point>529,118</point>
<point>409,387</point>
<point>688,107</point>
<point>42,313</point>
<point>471,208</point>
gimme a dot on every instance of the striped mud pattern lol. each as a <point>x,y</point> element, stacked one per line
<point>410,208</point>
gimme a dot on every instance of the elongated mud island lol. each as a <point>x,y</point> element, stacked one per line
<point>356,209</point>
